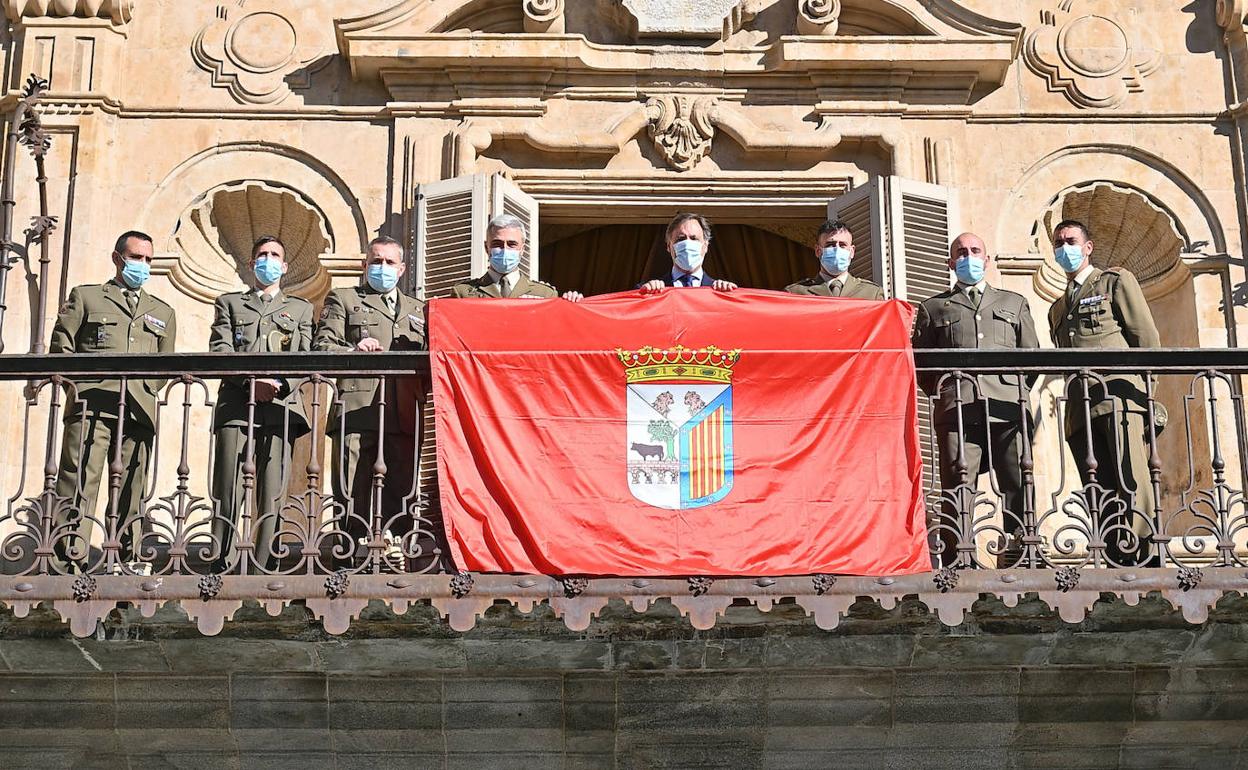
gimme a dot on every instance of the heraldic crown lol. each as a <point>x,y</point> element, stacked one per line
<point>708,364</point>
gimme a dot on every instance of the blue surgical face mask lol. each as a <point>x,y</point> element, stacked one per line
<point>835,260</point>
<point>383,278</point>
<point>135,272</point>
<point>504,260</point>
<point>969,269</point>
<point>1069,257</point>
<point>268,271</point>
<point>687,255</point>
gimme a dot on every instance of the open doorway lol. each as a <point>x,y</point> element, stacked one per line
<point>598,259</point>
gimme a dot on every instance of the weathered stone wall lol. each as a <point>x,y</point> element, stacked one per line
<point>1129,687</point>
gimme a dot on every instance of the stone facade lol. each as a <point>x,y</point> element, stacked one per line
<point>207,123</point>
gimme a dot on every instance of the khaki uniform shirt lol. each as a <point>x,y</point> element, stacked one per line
<point>486,286</point>
<point>351,315</point>
<point>245,323</point>
<point>951,320</point>
<point>98,319</point>
<point>852,288</point>
<point>1109,312</point>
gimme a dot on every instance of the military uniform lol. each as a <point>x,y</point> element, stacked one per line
<point>1000,319</point>
<point>108,318</point>
<point>852,288</point>
<point>489,286</point>
<point>249,322</point>
<point>355,420</point>
<point>1108,311</point>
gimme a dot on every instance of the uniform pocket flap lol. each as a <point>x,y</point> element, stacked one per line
<point>285,323</point>
<point>361,319</point>
<point>1005,315</point>
<point>103,317</point>
<point>945,322</point>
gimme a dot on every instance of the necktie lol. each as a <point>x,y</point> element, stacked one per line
<point>686,279</point>
<point>265,298</point>
<point>504,287</point>
<point>1071,291</point>
<point>837,287</point>
<point>390,301</point>
<point>132,299</point>
<point>973,293</point>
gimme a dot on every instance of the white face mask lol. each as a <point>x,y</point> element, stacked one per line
<point>687,255</point>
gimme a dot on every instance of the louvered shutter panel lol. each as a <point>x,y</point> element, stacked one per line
<point>449,248</point>
<point>510,199</point>
<point>860,209</point>
<point>905,228</point>
<point>922,223</point>
<point>450,234</point>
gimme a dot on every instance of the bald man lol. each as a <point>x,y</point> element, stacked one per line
<point>973,314</point>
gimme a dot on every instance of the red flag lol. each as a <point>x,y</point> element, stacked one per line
<point>690,432</point>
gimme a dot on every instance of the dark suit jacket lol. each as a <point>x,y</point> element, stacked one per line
<point>667,280</point>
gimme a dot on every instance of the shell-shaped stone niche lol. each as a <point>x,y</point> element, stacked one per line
<point>216,233</point>
<point>1128,229</point>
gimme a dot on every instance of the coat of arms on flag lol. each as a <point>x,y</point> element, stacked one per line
<point>679,435</point>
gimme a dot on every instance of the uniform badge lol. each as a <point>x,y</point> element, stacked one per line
<point>1095,300</point>
<point>325,312</point>
<point>285,315</point>
<point>238,336</point>
<point>154,321</point>
<point>101,336</point>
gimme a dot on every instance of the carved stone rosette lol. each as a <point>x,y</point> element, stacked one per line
<point>119,12</point>
<point>543,16</point>
<point>818,17</point>
<point>681,128</point>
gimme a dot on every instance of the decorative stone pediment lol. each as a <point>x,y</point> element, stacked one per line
<point>953,57</point>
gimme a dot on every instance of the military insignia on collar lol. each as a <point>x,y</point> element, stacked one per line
<point>154,321</point>
<point>325,312</point>
<point>65,308</point>
<point>283,314</point>
<point>1092,300</point>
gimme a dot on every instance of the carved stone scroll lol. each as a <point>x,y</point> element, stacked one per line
<point>543,16</point>
<point>818,17</point>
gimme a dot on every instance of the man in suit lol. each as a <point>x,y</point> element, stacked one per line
<point>834,248</point>
<point>373,317</point>
<point>688,239</point>
<point>1106,309</point>
<point>986,432</point>
<point>113,317</point>
<point>504,243</point>
<point>260,320</point>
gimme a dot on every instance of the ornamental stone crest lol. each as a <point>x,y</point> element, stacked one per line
<point>255,50</point>
<point>681,128</point>
<point>1090,59</point>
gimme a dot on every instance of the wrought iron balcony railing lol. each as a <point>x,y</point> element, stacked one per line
<point>1075,526</point>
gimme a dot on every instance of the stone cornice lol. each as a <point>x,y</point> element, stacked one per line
<point>119,12</point>
<point>897,68</point>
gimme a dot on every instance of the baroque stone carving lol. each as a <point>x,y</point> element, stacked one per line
<point>818,17</point>
<point>1090,59</point>
<point>119,12</point>
<point>215,235</point>
<point>254,51</point>
<point>681,128</point>
<point>543,16</point>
